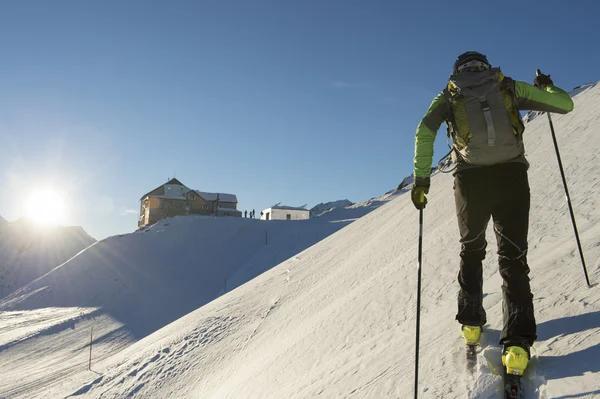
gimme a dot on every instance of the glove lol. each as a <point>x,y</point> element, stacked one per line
<point>418,196</point>
<point>542,80</point>
<point>418,191</point>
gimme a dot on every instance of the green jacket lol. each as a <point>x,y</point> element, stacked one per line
<point>548,99</point>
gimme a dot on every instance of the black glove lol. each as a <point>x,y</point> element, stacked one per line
<point>542,80</point>
<point>418,191</point>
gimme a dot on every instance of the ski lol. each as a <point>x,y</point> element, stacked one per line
<point>471,357</point>
<point>513,388</point>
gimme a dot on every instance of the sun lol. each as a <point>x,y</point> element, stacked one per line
<point>45,206</point>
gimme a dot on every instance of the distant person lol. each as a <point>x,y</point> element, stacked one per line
<point>245,214</point>
<point>481,108</point>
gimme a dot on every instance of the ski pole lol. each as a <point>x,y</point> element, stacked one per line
<point>568,198</point>
<point>419,296</point>
<point>564,180</point>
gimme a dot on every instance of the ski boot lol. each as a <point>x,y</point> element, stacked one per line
<point>471,334</point>
<point>515,359</point>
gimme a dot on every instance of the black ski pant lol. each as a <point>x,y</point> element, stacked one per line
<point>502,193</point>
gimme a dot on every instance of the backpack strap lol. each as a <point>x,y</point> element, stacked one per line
<point>450,126</point>
<point>450,123</point>
<point>509,85</point>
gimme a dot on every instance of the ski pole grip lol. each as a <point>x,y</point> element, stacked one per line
<point>422,199</point>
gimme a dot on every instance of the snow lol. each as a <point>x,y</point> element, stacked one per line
<point>221,209</point>
<point>326,308</point>
<point>176,191</point>
<point>321,208</point>
<point>406,182</point>
<point>223,197</point>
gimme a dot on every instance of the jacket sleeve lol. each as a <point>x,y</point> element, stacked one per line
<point>425,137</point>
<point>548,99</point>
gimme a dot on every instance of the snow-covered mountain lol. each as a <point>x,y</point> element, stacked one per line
<point>360,209</point>
<point>321,208</point>
<point>28,251</point>
<point>2,221</point>
<point>336,320</point>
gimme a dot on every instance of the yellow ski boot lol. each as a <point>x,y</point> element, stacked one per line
<point>471,334</point>
<point>515,359</point>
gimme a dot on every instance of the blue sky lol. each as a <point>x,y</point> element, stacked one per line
<point>298,102</point>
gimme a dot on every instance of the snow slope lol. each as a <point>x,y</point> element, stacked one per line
<point>337,320</point>
<point>28,251</point>
<point>131,285</point>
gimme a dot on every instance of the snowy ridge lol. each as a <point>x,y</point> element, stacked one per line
<point>580,89</point>
<point>324,210</point>
<point>359,209</point>
<point>320,209</point>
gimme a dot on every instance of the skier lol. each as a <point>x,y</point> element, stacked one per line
<point>481,109</point>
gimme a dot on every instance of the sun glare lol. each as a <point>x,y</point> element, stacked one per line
<point>45,206</point>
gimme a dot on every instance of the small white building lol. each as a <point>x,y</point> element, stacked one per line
<point>281,212</point>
